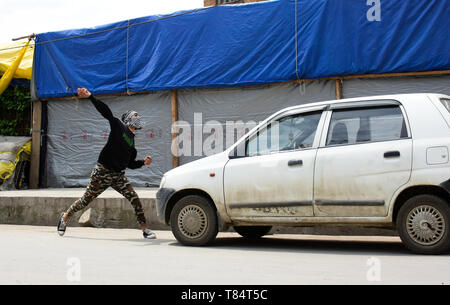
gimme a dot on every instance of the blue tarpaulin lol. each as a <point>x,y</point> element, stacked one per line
<point>249,44</point>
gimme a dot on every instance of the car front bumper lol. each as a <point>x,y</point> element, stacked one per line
<point>162,198</point>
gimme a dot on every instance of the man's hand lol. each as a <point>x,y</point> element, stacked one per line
<point>147,160</point>
<point>83,93</point>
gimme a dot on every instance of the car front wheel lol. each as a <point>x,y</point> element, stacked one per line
<point>423,224</point>
<point>194,221</point>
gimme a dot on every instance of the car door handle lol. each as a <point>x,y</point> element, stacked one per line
<point>392,154</point>
<point>295,162</point>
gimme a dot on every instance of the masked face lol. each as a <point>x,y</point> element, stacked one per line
<point>132,119</point>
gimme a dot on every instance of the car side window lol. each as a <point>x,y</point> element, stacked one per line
<point>446,103</point>
<point>362,125</point>
<point>287,133</point>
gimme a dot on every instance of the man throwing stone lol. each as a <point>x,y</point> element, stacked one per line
<point>118,154</point>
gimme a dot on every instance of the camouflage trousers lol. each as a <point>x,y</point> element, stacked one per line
<point>101,179</point>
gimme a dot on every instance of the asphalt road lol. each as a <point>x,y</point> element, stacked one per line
<point>37,255</point>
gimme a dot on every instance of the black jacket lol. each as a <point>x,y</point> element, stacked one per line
<point>119,152</point>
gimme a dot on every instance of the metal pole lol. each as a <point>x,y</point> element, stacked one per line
<point>32,36</point>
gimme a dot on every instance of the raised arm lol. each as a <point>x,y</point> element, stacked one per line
<point>99,105</point>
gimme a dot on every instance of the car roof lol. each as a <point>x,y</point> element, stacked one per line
<point>398,97</point>
<point>392,97</point>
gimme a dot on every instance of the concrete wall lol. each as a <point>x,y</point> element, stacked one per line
<point>45,209</point>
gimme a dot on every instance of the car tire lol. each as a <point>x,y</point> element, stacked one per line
<point>194,221</point>
<point>423,224</point>
<point>252,232</point>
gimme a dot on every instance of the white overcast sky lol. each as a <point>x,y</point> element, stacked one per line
<point>24,17</point>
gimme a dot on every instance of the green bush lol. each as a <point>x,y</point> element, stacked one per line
<point>15,111</point>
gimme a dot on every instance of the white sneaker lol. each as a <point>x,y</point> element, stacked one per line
<point>61,228</point>
<point>149,234</point>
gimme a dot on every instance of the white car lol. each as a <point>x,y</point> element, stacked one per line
<point>375,161</point>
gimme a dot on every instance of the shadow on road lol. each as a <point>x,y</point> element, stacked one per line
<point>281,244</point>
<point>338,247</point>
<point>315,246</point>
<point>136,240</point>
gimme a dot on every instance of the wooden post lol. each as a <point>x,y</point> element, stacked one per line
<point>339,89</point>
<point>36,145</point>
<point>174,131</point>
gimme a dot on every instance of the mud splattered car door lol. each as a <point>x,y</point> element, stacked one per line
<point>365,157</point>
<point>275,175</point>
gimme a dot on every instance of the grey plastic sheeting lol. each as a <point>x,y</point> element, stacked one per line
<point>77,133</point>
<point>383,86</point>
<point>214,107</point>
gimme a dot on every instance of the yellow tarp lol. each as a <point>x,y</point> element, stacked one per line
<point>7,168</point>
<point>8,56</point>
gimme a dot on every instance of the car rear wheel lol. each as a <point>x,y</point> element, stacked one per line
<point>194,221</point>
<point>423,224</point>
<point>252,232</point>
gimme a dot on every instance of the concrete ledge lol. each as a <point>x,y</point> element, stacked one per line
<point>43,208</point>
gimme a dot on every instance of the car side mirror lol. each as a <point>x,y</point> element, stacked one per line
<point>238,151</point>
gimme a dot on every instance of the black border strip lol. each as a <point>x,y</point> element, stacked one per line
<point>269,204</point>
<point>350,203</point>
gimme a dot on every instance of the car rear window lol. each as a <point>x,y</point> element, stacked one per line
<point>446,103</point>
